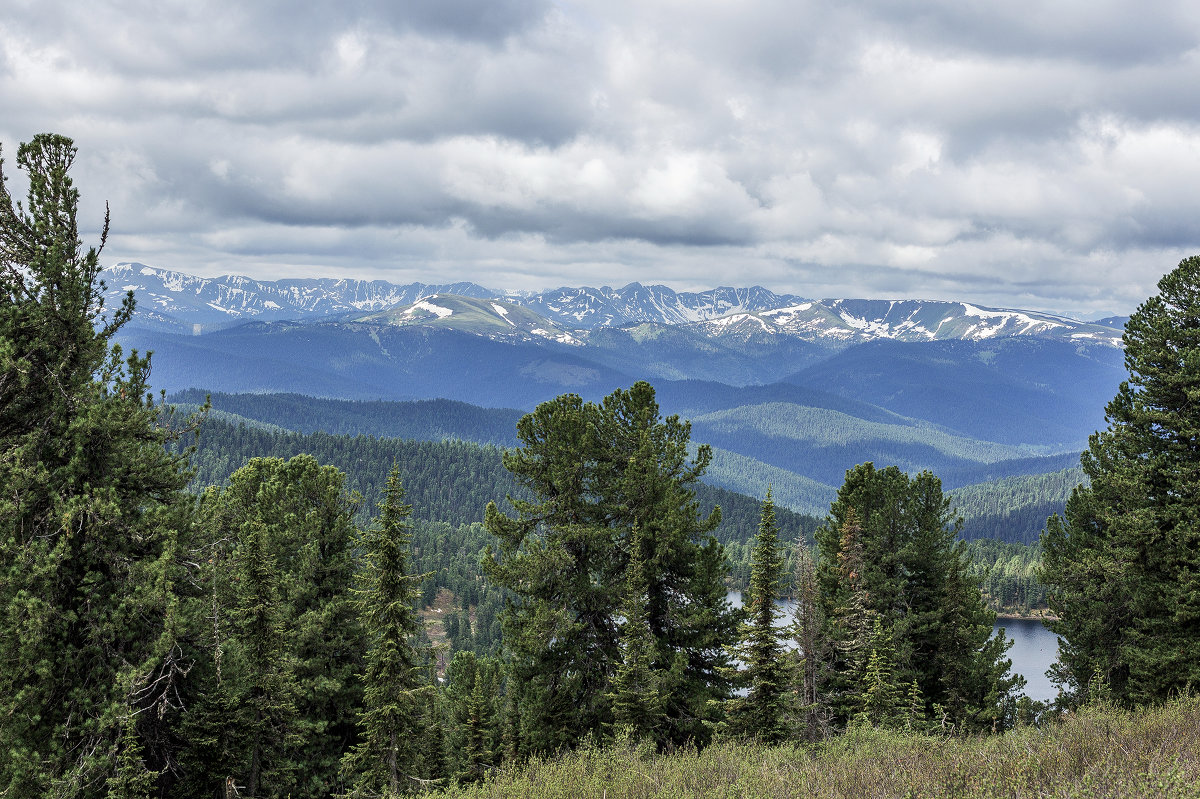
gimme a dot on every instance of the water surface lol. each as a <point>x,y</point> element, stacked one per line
<point>1034,650</point>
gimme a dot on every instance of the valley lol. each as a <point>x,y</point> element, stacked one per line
<point>789,392</point>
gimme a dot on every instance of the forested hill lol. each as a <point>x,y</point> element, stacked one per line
<point>998,499</point>
<point>426,420</point>
<point>448,481</point>
<point>1014,509</point>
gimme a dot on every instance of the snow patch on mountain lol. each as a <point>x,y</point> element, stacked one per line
<point>429,307</point>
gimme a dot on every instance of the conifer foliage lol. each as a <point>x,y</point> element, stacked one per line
<point>636,702</point>
<point>1124,563</point>
<point>763,712</point>
<point>89,513</point>
<point>608,478</point>
<point>387,756</point>
<point>901,605</point>
<point>277,640</point>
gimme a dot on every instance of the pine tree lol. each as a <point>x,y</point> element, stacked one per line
<point>636,702</point>
<point>302,519</point>
<point>91,506</point>
<point>595,470</point>
<point>267,689</point>
<point>812,646</point>
<point>1125,562</point>
<point>763,712</point>
<point>394,686</point>
<point>890,550</point>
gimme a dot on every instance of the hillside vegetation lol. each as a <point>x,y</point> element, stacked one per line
<point>1099,752</point>
<point>789,438</point>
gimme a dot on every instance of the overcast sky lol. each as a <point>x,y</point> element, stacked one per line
<point>1023,153</point>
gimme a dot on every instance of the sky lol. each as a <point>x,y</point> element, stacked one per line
<point>1026,154</point>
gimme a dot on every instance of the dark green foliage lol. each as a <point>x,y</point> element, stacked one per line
<point>879,701</point>
<point>598,473</point>
<point>131,779</point>
<point>472,700</point>
<point>265,687</point>
<point>90,513</point>
<point>1010,576</point>
<point>277,637</point>
<point>446,481</point>
<point>1014,509</point>
<point>763,712</point>
<point>422,420</point>
<point>388,754</point>
<point>813,652</point>
<point>637,705</point>
<point>889,551</point>
<point>1124,563</point>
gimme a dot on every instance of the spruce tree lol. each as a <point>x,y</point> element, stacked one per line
<point>388,752</point>
<point>1125,562</point>
<point>763,712</point>
<point>299,514</point>
<point>472,699</point>
<point>267,688</point>
<point>879,699</point>
<point>90,512</point>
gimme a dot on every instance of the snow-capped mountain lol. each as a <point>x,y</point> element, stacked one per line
<point>855,321</point>
<point>742,316</point>
<point>163,294</point>
<point>495,319</point>
<point>588,307</point>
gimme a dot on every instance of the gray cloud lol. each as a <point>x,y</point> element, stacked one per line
<point>1013,154</point>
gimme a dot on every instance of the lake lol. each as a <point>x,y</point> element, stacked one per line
<point>1034,649</point>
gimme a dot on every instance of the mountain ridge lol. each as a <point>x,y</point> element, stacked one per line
<point>172,300</point>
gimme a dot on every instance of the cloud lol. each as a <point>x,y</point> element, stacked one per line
<point>1014,154</point>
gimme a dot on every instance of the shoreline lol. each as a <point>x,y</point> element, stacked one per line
<point>1035,616</point>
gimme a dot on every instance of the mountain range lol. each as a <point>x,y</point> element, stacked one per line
<point>181,302</point>
<point>789,391</point>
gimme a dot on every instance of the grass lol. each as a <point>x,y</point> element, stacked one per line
<point>1099,752</point>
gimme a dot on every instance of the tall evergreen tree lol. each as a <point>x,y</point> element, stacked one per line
<point>763,712</point>
<point>266,690</point>
<point>1125,561</point>
<point>472,699</point>
<point>812,646</point>
<point>879,701</point>
<point>595,470</point>
<point>904,565</point>
<point>388,753</point>
<point>636,702</point>
<point>90,512</point>
<point>303,519</point>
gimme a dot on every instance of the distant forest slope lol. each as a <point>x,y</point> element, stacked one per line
<point>1016,390</point>
<point>445,481</point>
<point>801,451</point>
<point>422,420</point>
<point>1014,509</point>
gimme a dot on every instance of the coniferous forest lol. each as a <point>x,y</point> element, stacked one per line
<point>194,607</point>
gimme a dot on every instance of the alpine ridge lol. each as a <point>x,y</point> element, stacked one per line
<point>735,317</point>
